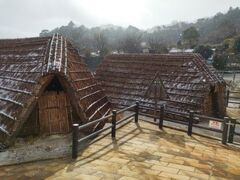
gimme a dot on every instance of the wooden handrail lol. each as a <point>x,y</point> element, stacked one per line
<point>190,124</point>
<point>113,115</point>
<point>94,122</point>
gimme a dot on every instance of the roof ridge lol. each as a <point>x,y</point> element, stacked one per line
<point>204,67</point>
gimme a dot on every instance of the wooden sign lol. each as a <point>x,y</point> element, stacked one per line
<point>215,124</point>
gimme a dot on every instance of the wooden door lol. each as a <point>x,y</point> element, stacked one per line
<point>53,113</point>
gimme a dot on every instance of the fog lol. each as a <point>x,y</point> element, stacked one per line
<point>24,18</point>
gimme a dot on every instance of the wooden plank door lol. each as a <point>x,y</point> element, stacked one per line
<point>53,113</point>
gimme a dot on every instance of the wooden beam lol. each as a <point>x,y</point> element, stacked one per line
<point>27,72</point>
<point>91,105</point>
<point>4,130</point>
<point>98,111</point>
<point>79,71</point>
<point>87,87</point>
<point>17,90</point>
<point>18,79</point>
<point>7,115</point>
<point>83,79</point>
<point>89,95</point>
<point>12,101</point>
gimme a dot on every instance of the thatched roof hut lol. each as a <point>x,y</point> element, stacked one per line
<point>189,83</point>
<point>45,87</point>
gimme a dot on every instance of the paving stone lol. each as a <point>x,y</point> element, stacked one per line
<point>160,154</point>
<point>87,177</point>
<point>105,175</point>
<point>113,168</point>
<point>140,164</point>
<point>165,169</point>
<point>169,160</point>
<point>127,171</point>
<point>128,178</point>
<point>160,163</point>
<point>187,159</point>
<point>85,170</point>
<point>194,174</point>
<point>174,176</point>
<point>119,160</point>
<point>198,165</point>
<point>182,167</point>
<point>217,178</point>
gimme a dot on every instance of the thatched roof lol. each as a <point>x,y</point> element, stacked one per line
<point>28,65</point>
<point>186,78</point>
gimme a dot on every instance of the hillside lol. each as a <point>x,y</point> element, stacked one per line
<point>212,30</point>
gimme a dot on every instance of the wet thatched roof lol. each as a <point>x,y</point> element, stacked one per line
<point>28,65</point>
<point>186,78</point>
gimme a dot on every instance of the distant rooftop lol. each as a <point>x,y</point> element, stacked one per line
<point>175,50</point>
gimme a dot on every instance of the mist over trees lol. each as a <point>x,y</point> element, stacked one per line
<point>190,37</point>
<point>206,31</point>
<point>205,51</point>
<point>220,32</point>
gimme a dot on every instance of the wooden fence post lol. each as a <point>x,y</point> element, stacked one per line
<point>225,130</point>
<point>190,123</point>
<point>114,119</point>
<point>136,112</point>
<point>75,134</point>
<point>160,125</point>
<point>231,130</point>
<point>227,100</point>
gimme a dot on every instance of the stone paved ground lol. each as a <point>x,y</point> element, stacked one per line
<point>139,152</point>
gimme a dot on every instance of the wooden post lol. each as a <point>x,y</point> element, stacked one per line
<point>160,125</point>
<point>190,123</point>
<point>231,130</point>
<point>136,112</point>
<point>227,100</point>
<point>234,76</point>
<point>225,130</point>
<point>75,135</point>
<point>155,99</point>
<point>114,119</point>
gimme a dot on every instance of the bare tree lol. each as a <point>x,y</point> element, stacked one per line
<point>156,45</point>
<point>131,43</point>
<point>100,42</point>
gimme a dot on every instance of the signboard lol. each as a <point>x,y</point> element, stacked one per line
<point>215,124</point>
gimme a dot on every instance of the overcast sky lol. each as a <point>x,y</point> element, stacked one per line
<point>25,18</point>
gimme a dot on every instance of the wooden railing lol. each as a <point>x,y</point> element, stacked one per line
<point>233,73</point>
<point>227,123</point>
<point>233,97</point>
<point>76,128</point>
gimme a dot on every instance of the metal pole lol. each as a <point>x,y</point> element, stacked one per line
<point>231,130</point>
<point>114,119</point>
<point>75,135</point>
<point>190,123</point>
<point>136,112</point>
<point>160,125</point>
<point>225,130</point>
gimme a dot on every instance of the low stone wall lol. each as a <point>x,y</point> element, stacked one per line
<point>41,148</point>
